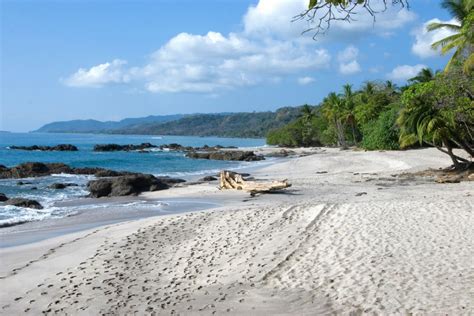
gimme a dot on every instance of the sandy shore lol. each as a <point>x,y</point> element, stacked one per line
<point>349,237</point>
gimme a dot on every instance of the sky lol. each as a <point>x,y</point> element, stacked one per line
<point>113,59</point>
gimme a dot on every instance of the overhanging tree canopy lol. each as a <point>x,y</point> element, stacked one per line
<point>321,13</point>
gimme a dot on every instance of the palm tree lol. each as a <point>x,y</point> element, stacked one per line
<point>425,123</point>
<point>424,75</point>
<point>349,110</point>
<point>333,109</point>
<point>307,116</point>
<point>306,113</point>
<point>463,39</point>
<point>368,88</point>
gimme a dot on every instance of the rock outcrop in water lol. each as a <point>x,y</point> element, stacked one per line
<point>117,147</point>
<point>178,147</point>
<point>126,185</point>
<point>60,186</point>
<point>60,147</point>
<point>39,169</point>
<point>33,169</point>
<point>234,155</point>
<point>21,202</point>
<point>143,147</point>
<point>3,197</point>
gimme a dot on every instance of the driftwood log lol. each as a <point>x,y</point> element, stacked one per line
<point>233,180</point>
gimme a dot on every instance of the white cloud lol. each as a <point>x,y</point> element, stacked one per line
<point>348,63</point>
<point>99,75</point>
<point>195,63</point>
<point>305,80</point>
<point>266,50</point>
<point>350,53</point>
<point>405,72</point>
<point>273,18</point>
<point>349,68</point>
<point>423,39</point>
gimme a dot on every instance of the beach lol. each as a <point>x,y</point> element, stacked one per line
<point>352,235</point>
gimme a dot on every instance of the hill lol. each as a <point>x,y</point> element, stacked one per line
<point>94,126</point>
<point>247,124</point>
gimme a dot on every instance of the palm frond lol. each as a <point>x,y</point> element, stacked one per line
<point>456,8</point>
<point>443,42</point>
<point>434,26</point>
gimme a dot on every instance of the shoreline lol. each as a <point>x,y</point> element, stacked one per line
<point>350,235</point>
<point>95,216</point>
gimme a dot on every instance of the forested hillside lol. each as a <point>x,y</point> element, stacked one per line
<point>254,124</point>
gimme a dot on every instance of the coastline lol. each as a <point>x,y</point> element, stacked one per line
<point>336,242</point>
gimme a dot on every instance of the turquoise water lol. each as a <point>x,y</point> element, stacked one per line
<point>156,162</point>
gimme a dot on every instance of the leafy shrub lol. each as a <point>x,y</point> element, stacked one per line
<point>383,132</point>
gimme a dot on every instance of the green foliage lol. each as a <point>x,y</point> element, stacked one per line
<point>440,113</point>
<point>382,133</point>
<point>341,119</point>
<point>252,125</point>
<point>462,40</point>
<point>300,132</point>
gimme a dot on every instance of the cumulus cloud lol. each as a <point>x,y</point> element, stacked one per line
<point>349,68</point>
<point>405,72</point>
<point>267,49</point>
<point>423,39</point>
<point>273,17</point>
<point>97,76</point>
<point>305,80</point>
<point>348,63</point>
<point>350,53</point>
<point>195,63</point>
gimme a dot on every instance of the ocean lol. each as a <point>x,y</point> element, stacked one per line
<point>157,163</point>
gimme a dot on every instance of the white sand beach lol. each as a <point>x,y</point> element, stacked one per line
<point>349,237</point>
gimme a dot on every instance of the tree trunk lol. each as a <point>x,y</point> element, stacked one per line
<point>353,133</point>
<point>446,143</point>
<point>340,133</point>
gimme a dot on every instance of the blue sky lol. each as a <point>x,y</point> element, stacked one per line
<point>108,60</point>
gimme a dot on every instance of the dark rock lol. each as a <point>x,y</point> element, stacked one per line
<point>208,179</point>
<point>60,147</point>
<point>116,147</point>
<point>23,183</point>
<point>59,186</point>
<point>234,155</point>
<point>3,197</point>
<point>33,188</point>
<point>21,202</point>
<point>170,181</point>
<point>111,173</point>
<point>100,172</point>
<point>280,154</point>
<point>34,169</point>
<point>39,169</point>
<point>173,147</point>
<point>205,148</point>
<point>125,185</point>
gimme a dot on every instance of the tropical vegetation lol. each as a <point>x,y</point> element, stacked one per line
<point>434,108</point>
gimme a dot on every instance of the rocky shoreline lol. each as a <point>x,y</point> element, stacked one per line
<point>60,147</point>
<point>218,152</point>
<point>109,182</point>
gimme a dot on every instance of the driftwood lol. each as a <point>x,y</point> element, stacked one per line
<point>233,180</point>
